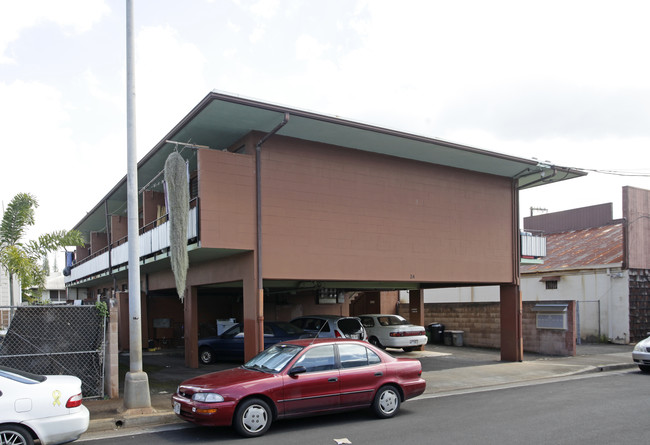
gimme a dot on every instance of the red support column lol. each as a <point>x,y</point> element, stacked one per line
<point>253,311</point>
<point>512,345</point>
<point>191,322</point>
<point>416,308</point>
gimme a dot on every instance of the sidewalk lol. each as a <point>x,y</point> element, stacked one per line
<point>446,369</point>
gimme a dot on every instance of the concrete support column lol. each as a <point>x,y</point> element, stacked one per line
<point>191,327</point>
<point>512,345</point>
<point>112,371</point>
<point>416,308</point>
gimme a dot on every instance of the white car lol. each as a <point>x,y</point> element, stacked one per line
<point>39,407</point>
<point>393,331</point>
<point>641,355</point>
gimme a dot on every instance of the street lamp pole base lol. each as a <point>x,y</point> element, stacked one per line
<point>136,391</point>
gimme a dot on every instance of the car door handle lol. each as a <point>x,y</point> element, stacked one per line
<point>378,374</point>
<point>333,379</point>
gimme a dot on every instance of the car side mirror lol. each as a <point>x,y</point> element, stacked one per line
<point>297,370</point>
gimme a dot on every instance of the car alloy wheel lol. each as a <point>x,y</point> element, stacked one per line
<point>15,435</point>
<point>375,341</point>
<point>386,402</point>
<point>252,418</point>
<point>206,355</point>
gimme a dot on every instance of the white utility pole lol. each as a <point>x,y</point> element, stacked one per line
<point>136,384</point>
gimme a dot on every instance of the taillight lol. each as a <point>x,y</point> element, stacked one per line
<point>74,401</point>
<point>338,334</point>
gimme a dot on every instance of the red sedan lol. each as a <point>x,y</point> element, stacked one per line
<point>300,378</point>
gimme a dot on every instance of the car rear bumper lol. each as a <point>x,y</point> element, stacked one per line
<point>414,389</point>
<point>405,342</point>
<point>61,429</point>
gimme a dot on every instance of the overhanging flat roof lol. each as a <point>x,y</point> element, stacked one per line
<point>220,120</point>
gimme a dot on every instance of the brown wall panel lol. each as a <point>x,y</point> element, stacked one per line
<point>332,213</point>
<point>227,199</point>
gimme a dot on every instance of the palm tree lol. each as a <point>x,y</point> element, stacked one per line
<point>21,259</point>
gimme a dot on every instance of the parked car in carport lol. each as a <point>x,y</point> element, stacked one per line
<point>230,344</point>
<point>393,331</point>
<point>331,326</point>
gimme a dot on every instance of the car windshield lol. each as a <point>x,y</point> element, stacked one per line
<point>391,320</point>
<point>273,359</point>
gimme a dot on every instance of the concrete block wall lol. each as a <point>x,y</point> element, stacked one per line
<point>549,341</point>
<point>481,326</point>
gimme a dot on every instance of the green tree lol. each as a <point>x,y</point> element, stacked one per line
<point>22,259</point>
<point>46,265</point>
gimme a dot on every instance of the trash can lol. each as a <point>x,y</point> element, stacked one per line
<point>457,338</point>
<point>435,332</point>
<point>448,338</point>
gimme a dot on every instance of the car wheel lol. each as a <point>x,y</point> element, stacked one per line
<point>375,341</point>
<point>206,355</point>
<point>15,435</point>
<point>644,368</point>
<point>252,418</point>
<point>387,402</point>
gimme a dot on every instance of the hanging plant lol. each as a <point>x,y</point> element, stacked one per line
<point>178,205</point>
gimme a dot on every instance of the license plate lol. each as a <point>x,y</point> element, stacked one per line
<point>177,408</point>
<point>413,342</point>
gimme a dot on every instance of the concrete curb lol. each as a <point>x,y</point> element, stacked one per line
<point>610,367</point>
<point>118,422</point>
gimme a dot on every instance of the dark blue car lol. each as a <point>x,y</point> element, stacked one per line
<point>230,344</point>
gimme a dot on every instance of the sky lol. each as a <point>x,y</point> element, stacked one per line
<point>563,82</point>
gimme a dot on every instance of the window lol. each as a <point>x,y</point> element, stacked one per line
<point>353,356</point>
<point>551,284</point>
<point>367,322</point>
<point>312,324</point>
<point>318,359</point>
<point>235,331</point>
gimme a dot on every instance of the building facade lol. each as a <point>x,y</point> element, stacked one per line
<point>296,213</point>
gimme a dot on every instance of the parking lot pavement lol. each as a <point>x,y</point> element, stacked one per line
<point>445,368</point>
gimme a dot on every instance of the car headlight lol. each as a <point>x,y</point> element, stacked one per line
<point>207,397</point>
<point>641,347</point>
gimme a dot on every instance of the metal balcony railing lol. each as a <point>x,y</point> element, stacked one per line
<point>532,246</point>
<point>151,241</point>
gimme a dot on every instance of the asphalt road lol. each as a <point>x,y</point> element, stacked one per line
<point>605,408</point>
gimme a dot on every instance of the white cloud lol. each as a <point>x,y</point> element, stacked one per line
<point>266,9</point>
<point>308,48</point>
<point>169,80</point>
<point>37,136</point>
<point>76,16</point>
<point>257,34</point>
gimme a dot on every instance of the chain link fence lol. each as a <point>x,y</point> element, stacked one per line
<point>54,340</point>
